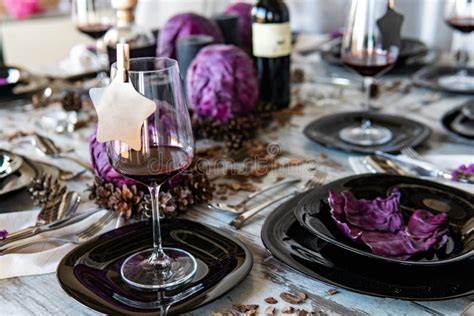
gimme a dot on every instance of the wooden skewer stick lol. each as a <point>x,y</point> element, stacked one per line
<point>123,61</point>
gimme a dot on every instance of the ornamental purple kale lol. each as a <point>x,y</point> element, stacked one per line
<point>379,225</point>
<point>222,83</point>
<point>244,12</point>
<point>464,171</point>
<point>184,25</point>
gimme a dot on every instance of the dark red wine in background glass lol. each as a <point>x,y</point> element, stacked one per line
<point>95,31</point>
<point>369,64</point>
<point>156,165</point>
<point>462,24</point>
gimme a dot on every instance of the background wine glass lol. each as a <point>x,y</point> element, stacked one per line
<point>167,149</point>
<point>364,51</point>
<point>459,15</point>
<point>94,18</point>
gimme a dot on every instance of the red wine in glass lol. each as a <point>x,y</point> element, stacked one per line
<point>369,64</point>
<point>462,24</point>
<point>95,30</point>
<point>155,165</point>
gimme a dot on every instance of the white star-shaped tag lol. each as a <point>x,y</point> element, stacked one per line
<point>121,111</point>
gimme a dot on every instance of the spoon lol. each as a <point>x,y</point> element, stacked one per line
<point>51,212</point>
<point>49,148</point>
<point>9,164</point>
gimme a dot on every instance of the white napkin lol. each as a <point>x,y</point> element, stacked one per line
<point>448,162</point>
<point>43,258</point>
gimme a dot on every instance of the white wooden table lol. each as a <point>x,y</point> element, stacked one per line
<point>42,295</point>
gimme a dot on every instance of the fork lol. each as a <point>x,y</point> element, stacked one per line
<point>76,238</point>
<point>413,154</point>
<point>316,181</point>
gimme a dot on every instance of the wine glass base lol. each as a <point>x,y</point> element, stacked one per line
<point>139,272</point>
<point>369,136</point>
<point>458,82</point>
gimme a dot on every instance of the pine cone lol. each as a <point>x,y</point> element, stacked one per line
<point>205,128</point>
<point>46,189</point>
<point>200,186</point>
<point>72,101</point>
<point>101,192</point>
<point>183,197</point>
<point>125,200</point>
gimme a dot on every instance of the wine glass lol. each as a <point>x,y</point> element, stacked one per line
<point>364,51</point>
<point>93,18</point>
<point>167,148</point>
<point>459,15</point>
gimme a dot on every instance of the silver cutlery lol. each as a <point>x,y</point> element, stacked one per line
<point>49,148</point>
<point>9,164</point>
<point>76,238</point>
<point>240,207</point>
<point>468,110</point>
<point>55,214</point>
<point>316,181</point>
<point>423,168</point>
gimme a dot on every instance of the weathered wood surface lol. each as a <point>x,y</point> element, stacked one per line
<point>42,295</point>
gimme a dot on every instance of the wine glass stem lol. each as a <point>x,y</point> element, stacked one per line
<point>158,257</point>
<point>463,55</point>
<point>368,82</point>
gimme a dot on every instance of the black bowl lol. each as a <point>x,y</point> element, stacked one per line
<point>313,213</point>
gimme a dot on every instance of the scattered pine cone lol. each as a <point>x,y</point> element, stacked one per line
<point>125,200</point>
<point>72,101</point>
<point>46,189</point>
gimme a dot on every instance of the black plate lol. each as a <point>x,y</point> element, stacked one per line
<point>91,272</point>
<point>414,54</point>
<point>428,78</point>
<point>450,118</point>
<point>406,132</point>
<point>289,242</point>
<point>313,213</point>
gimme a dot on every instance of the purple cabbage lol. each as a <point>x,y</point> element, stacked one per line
<point>379,225</point>
<point>222,83</point>
<point>244,12</point>
<point>3,234</point>
<point>184,25</point>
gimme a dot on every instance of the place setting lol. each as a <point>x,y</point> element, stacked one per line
<point>198,163</point>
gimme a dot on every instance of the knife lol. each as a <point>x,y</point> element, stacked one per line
<point>422,168</point>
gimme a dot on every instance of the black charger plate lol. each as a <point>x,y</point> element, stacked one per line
<point>91,272</point>
<point>449,118</point>
<point>428,78</point>
<point>284,237</point>
<point>406,132</point>
<point>313,213</point>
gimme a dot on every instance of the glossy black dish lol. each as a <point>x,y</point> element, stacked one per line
<point>406,132</point>
<point>429,78</point>
<point>452,120</point>
<point>91,272</point>
<point>313,213</point>
<point>414,54</point>
<point>284,237</point>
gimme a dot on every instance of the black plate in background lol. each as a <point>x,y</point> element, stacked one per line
<point>91,272</point>
<point>447,122</point>
<point>406,132</point>
<point>313,213</point>
<point>284,237</point>
<point>428,78</point>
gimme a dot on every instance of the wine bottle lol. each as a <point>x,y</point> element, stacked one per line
<point>141,41</point>
<point>271,40</point>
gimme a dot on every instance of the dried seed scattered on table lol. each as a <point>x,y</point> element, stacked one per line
<point>302,295</point>
<point>270,310</point>
<point>241,308</point>
<point>271,300</point>
<point>332,291</point>
<point>288,310</point>
<point>302,312</point>
<point>290,298</point>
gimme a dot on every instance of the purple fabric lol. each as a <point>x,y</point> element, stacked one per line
<point>222,83</point>
<point>184,25</point>
<point>379,225</point>
<point>244,11</point>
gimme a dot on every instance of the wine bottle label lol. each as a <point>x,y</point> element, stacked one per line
<point>271,40</point>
